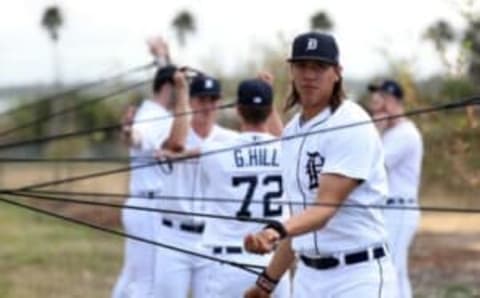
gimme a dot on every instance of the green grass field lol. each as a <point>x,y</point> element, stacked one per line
<point>43,257</point>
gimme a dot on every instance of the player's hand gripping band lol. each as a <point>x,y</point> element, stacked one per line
<point>278,227</point>
<point>266,283</point>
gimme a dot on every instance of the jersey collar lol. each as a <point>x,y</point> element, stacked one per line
<point>319,118</point>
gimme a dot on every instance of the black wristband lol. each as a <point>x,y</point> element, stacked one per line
<point>278,227</point>
<point>266,283</point>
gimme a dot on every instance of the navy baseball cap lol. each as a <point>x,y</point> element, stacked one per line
<point>388,86</point>
<point>205,86</point>
<point>254,92</point>
<point>315,46</point>
<point>162,76</point>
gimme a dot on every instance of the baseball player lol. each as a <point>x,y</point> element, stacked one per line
<point>136,279</point>
<point>342,250</point>
<point>177,273</point>
<point>246,174</point>
<point>403,146</point>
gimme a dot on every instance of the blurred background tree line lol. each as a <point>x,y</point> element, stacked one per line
<point>451,138</point>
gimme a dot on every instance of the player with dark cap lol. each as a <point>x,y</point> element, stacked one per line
<point>342,251</point>
<point>403,146</point>
<point>177,273</point>
<point>144,138</point>
<point>244,174</point>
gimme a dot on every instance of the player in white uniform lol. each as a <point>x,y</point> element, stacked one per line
<point>144,138</point>
<point>342,250</point>
<point>176,272</point>
<point>246,174</point>
<point>403,146</point>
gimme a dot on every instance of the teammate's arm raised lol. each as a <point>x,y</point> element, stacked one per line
<point>178,133</point>
<point>132,137</point>
<point>159,49</point>
<point>274,122</point>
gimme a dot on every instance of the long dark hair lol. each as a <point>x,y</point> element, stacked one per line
<point>338,95</point>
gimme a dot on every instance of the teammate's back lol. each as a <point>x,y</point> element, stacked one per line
<point>242,179</point>
<point>244,182</point>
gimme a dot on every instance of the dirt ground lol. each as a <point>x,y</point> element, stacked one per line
<point>445,257</point>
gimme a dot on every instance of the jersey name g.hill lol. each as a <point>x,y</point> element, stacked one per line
<point>254,157</point>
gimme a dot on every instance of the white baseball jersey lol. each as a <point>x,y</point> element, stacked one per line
<point>251,176</point>
<point>137,274</point>
<point>403,148</point>
<point>152,135</point>
<point>354,152</point>
<point>184,182</point>
<point>403,157</point>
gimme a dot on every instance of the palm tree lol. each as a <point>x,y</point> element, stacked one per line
<point>184,24</point>
<point>321,21</point>
<point>472,42</point>
<point>441,34</point>
<point>52,21</point>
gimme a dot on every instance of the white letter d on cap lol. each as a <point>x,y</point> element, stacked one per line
<point>312,44</point>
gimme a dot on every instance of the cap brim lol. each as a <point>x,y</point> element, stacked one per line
<point>373,88</point>
<point>312,58</point>
<point>213,94</point>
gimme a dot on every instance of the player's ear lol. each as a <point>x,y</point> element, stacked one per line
<point>338,71</point>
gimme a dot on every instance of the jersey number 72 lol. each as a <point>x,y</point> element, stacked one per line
<point>252,183</point>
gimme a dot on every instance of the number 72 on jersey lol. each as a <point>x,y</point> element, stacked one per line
<point>269,188</point>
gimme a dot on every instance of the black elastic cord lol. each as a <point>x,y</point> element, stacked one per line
<point>66,93</point>
<point>434,209</point>
<point>75,89</point>
<point>116,126</point>
<point>65,111</point>
<point>245,267</point>
<point>139,208</point>
<point>458,104</point>
<point>71,160</point>
<point>118,159</point>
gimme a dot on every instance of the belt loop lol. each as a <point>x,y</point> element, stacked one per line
<point>341,258</point>
<point>370,253</point>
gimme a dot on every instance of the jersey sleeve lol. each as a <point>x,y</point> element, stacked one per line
<point>396,147</point>
<point>352,152</point>
<point>152,133</point>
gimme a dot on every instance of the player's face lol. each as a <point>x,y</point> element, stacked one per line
<point>207,105</point>
<point>377,103</point>
<point>392,105</point>
<point>314,81</point>
<point>167,96</point>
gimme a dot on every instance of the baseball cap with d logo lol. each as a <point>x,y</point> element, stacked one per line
<point>205,86</point>
<point>254,92</point>
<point>315,46</point>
